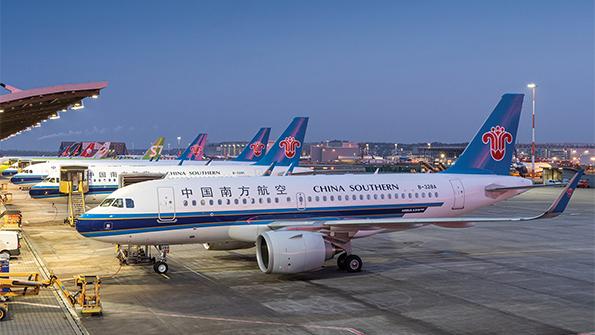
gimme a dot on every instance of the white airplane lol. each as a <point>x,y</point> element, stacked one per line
<point>299,222</point>
<point>103,178</point>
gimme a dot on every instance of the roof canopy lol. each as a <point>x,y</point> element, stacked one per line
<point>25,109</point>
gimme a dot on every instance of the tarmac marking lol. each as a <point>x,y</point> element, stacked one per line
<point>34,304</point>
<point>272,323</point>
<point>164,275</point>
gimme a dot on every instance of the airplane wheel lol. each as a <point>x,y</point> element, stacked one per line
<point>160,267</point>
<point>353,263</point>
<point>341,261</point>
<point>3,313</point>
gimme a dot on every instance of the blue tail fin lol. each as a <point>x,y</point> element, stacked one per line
<point>490,151</point>
<point>195,150</point>
<point>255,150</point>
<point>289,145</point>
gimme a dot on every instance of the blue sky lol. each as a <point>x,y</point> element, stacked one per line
<point>402,71</point>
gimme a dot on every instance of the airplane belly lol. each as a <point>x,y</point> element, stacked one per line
<point>172,236</point>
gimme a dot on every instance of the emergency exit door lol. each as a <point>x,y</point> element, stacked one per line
<point>459,194</point>
<point>166,206</point>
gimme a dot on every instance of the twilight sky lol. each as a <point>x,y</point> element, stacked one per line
<point>392,71</point>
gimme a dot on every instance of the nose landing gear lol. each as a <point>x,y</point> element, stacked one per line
<point>160,265</point>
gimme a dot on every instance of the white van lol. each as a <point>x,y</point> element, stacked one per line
<point>9,243</point>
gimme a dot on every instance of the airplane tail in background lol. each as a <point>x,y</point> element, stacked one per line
<point>154,151</point>
<point>256,149</point>
<point>490,151</point>
<point>103,150</point>
<point>288,147</point>
<point>88,151</point>
<point>76,149</point>
<point>195,150</point>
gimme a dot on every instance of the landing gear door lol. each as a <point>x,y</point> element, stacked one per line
<point>166,205</point>
<point>300,199</point>
<point>459,194</point>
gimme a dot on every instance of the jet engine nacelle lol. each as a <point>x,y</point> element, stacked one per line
<point>291,251</point>
<point>228,245</point>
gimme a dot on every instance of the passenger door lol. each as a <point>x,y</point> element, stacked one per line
<point>459,194</point>
<point>300,199</point>
<point>166,204</point>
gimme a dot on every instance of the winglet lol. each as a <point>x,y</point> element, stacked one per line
<point>560,204</point>
<point>269,171</point>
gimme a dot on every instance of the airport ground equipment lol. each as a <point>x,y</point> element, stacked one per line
<point>87,295</point>
<point>74,183</point>
<point>11,220</point>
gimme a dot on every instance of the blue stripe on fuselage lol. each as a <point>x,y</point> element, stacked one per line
<point>93,225</point>
<point>41,192</point>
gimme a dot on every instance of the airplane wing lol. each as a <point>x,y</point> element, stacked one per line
<point>555,209</point>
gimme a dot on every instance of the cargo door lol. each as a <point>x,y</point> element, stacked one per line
<point>166,206</point>
<point>459,194</point>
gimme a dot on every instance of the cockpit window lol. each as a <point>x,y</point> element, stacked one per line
<point>129,203</point>
<point>118,203</point>
<point>107,202</point>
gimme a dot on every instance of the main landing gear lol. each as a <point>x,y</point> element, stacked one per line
<point>349,263</point>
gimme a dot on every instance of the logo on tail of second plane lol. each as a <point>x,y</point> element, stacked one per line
<point>290,144</point>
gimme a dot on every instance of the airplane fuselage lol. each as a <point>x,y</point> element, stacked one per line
<point>204,210</point>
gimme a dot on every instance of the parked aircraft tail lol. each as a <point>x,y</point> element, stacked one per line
<point>195,150</point>
<point>288,147</point>
<point>154,151</point>
<point>256,149</point>
<point>490,151</point>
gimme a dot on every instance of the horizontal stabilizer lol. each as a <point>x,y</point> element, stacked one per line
<point>495,188</point>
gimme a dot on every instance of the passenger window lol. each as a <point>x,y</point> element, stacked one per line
<point>354,197</point>
<point>339,198</point>
<point>324,198</point>
<point>260,200</point>
<point>429,194</point>
<point>211,202</point>
<point>289,199</point>
<point>375,196</point>
<point>107,202</point>
<point>276,200</point>
<point>269,200</point>
<point>410,195</point>
<point>252,201</point>
<point>309,198</point>
<point>332,198</point>
<point>361,197</point>
<point>423,194</point>
<point>416,195</point>
<point>236,201</point>
<point>228,202</point>
<point>436,194</point>
<point>382,196</point>
<point>244,201</point>
<point>118,203</point>
<point>185,203</point>
<point>317,198</point>
<point>402,195</point>
<point>219,202</point>
<point>129,203</point>
<point>368,196</point>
